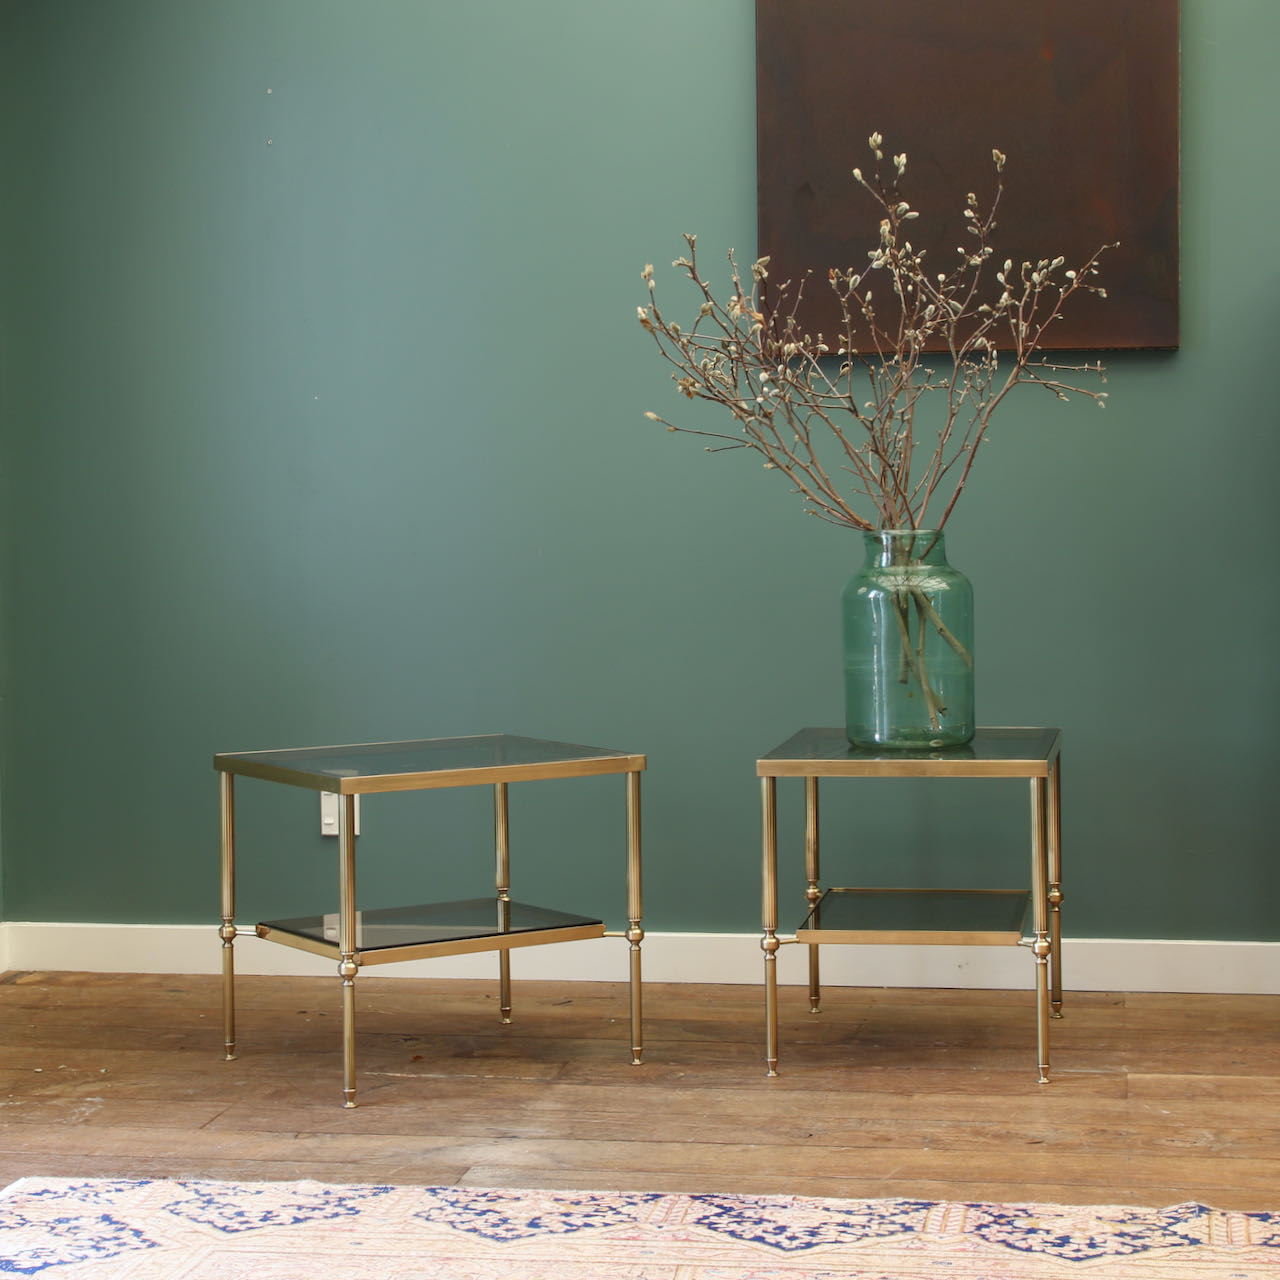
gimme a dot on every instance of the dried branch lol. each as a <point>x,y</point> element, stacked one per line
<point>792,397</point>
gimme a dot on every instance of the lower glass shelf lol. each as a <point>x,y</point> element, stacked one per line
<point>965,917</point>
<point>435,928</point>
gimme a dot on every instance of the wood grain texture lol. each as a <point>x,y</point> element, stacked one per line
<point>1155,1099</point>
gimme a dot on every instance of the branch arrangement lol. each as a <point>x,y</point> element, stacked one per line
<point>838,417</point>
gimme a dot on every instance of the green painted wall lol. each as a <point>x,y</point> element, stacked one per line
<point>322,403</point>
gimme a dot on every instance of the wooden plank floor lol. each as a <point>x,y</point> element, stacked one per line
<point>1156,1099</point>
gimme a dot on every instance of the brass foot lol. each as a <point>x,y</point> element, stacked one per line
<point>636,1060</point>
<point>349,1097</point>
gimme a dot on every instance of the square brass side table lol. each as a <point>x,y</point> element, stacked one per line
<point>920,916</point>
<point>355,938</point>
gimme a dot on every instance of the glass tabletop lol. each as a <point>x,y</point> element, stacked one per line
<point>428,762</point>
<point>994,752</point>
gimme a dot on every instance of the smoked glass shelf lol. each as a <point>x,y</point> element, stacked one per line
<point>435,929</point>
<point>956,917</point>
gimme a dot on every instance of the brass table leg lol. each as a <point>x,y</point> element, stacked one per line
<point>1055,887</point>
<point>502,834</point>
<point>226,798</point>
<point>812,893</point>
<point>1042,947</point>
<point>635,934</point>
<point>769,918</point>
<point>348,965</point>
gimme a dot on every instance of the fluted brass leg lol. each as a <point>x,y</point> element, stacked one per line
<point>504,987</point>
<point>347,970</point>
<point>815,980</point>
<point>348,966</point>
<point>769,918</point>
<point>227,933</point>
<point>812,893</point>
<point>226,804</point>
<point>635,934</point>
<point>1042,947</point>
<point>1055,886</point>
<point>502,840</point>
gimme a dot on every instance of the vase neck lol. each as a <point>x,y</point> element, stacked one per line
<point>905,546</point>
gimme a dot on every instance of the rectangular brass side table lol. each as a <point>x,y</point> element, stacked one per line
<point>921,916</point>
<point>357,938</point>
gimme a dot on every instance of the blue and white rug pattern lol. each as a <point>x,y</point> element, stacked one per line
<point>87,1229</point>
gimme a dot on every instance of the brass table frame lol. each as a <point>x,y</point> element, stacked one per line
<point>811,754</point>
<point>369,768</point>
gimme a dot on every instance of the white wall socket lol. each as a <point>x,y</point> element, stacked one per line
<point>329,802</point>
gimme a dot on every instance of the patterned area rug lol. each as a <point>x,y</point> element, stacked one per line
<point>75,1229</point>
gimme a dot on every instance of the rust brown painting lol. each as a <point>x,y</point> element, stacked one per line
<point>1081,95</point>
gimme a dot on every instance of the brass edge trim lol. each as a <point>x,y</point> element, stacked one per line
<point>329,950</point>
<point>910,937</point>
<point>471,946</point>
<point>903,768</point>
<point>434,779</point>
<point>489,774</point>
<point>1005,893</point>
<point>424,950</point>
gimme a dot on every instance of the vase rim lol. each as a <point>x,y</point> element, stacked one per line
<point>904,533</point>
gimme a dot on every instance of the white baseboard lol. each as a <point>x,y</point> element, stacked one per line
<point>1089,964</point>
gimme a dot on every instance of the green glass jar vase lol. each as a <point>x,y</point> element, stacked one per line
<point>908,644</point>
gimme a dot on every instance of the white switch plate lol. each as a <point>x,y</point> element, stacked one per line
<point>329,802</point>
